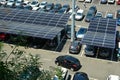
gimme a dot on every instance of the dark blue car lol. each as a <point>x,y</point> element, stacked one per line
<point>118,17</point>
<point>103,1</point>
<point>80,76</point>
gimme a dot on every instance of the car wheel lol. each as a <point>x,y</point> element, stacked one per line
<point>71,69</point>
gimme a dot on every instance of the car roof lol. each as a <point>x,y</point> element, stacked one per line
<point>70,58</point>
<point>80,11</point>
<point>114,77</point>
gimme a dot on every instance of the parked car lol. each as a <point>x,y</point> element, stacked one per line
<point>111,1</point>
<point>57,7</point>
<point>104,53</point>
<point>75,47</point>
<point>80,33</point>
<point>91,13</point>
<point>81,0</point>
<point>79,15</point>
<point>19,3</point>
<point>113,77</point>
<point>43,4</point>
<point>98,15</point>
<point>10,3</point>
<point>66,7</point>
<point>90,51</point>
<point>28,7</point>
<point>68,62</point>
<point>80,76</point>
<point>109,16</point>
<point>89,16</point>
<point>88,1</point>
<point>103,1</point>
<point>70,11</point>
<point>62,11</point>
<point>34,3</point>
<point>25,3</point>
<point>2,36</point>
<point>49,6</point>
<point>3,2</point>
<point>118,17</point>
<point>118,2</point>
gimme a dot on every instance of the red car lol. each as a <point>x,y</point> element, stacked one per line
<point>2,36</point>
<point>118,2</point>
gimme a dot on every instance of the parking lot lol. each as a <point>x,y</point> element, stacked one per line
<point>95,67</point>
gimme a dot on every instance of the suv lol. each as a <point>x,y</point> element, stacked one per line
<point>104,53</point>
<point>68,62</point>
<point>111,1</point>
<point>91,13</point>
<point>75,47</point>
<point>89,50</point>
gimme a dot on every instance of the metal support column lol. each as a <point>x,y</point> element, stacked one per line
<point>58,38</point>
<point>73,22</point>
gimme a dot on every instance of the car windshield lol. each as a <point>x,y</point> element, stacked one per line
<point>110,16</point>
<point>75,43</point>
<point>82,31</point>
<point>89,48</point>
<point>42,3</point>
<point>65,6</point>
<point>79,14</point>
<point>11,1</point>
<point>118,14</point>
<point>61,11</point>
<point>34,2</point>
<point>72,59</point>
<point>79,77</point>
<point>56,6</point>
<point>99,14</point>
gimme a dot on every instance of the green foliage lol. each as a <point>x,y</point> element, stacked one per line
<point>6,73</point>
<point>45,75</point>
<point>59,73</point>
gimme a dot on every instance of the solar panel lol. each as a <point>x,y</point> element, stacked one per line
<point>29,23</point>
<point>101,32</point>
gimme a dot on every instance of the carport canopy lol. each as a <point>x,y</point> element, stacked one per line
<point>101,32</point>
<point>32,23</point>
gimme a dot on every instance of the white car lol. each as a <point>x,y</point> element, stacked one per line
<point>81,0</point>
<point>34,3</point>
<point>43,4</point>
<point>88,1</point>
<point>26,3</point>
<point>111,1</point>
<point>113,77</point>
<point>10,3</point>
<point>3,2</point>
<point>79,15</point>
<point>35,8</point>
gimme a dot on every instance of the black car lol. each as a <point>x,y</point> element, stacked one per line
<point>103,1</point>
<point>104,53</point>
<point>49,6</point>
<point>75,47</point>
<point>57,7</point>
<point>68,62</point>
<point>80,76</point>
<point>91,13</point>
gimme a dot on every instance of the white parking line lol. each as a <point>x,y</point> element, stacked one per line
<point>92,78</point>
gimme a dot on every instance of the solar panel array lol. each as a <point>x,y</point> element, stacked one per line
<point>101,32</point>
<point>50,24</point>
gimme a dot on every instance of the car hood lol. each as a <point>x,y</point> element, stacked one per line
<point>80,36</point>
<point>42,6</point>
<point>17,4</point>
<point>10,3</point>
<point>35,8</point>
